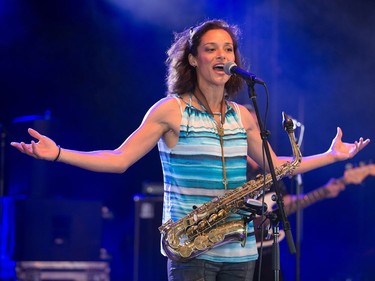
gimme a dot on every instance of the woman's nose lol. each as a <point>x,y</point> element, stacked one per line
<point>220,56</point>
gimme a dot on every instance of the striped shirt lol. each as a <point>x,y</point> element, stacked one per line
<point>193,172</point>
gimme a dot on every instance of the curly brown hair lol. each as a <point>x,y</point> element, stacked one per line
<point>181,77</point>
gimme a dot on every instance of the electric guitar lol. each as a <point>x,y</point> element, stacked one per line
<point>332,189</point>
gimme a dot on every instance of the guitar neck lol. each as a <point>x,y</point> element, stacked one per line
<point>308,199</point>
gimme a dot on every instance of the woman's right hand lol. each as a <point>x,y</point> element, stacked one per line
<point>45,148</point>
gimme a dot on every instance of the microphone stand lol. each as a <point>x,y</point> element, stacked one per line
<point>280,215</point>
<point>299,219</point>
<point>299,213</point>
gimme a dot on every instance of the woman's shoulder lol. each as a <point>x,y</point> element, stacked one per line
<point>244,114</point>
<point>166,102</point>
<point>237,107</point>
<point>166,111</point>
<point>165,106</point>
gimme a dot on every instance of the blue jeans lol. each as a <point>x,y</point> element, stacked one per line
<point>203,270</point>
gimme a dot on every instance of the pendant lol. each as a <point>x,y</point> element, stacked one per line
<point>225,183</point>
<point>220,130</point>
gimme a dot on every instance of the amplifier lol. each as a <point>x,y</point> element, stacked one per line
<point>50,229</point>
<point>149,263</point>
<point>62,271</point>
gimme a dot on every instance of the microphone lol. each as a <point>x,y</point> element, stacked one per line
<point>296,123</point>
<point>232,68</point>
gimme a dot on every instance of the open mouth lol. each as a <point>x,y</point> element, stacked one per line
<point>219,67</point>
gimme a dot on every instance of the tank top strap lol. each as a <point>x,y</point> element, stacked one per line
<point>238,111</point>
<point>188,104</point>
<point>178,98</point>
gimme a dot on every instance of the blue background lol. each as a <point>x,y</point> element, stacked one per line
<point>85,72</point>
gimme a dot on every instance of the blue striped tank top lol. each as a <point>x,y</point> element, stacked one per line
<point>193,172</point>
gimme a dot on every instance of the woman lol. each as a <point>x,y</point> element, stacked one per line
<point>203,140</point>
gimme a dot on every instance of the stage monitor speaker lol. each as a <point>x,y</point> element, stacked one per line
<point>56,230</point>
<point>149,263</point>
<point>62,271</point>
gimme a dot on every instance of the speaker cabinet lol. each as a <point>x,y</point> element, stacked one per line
<point>149,263</point>
<point>62,271</point>
<point>53,230</point>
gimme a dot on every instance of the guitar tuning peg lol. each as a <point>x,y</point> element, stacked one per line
<point>348,166</point>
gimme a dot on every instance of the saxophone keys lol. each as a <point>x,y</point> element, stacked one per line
<point>216,237</point>
<point>173,240</point>
<point>195,217</point>
<point>201,242</point>
<point>212,218</point>
<point>202,224</point>
<point>191,230</point>
<point>221,214</point>
<point>185,251</point>
<point>199,215</point>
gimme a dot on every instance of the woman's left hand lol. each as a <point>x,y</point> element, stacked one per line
<point>342,150</point>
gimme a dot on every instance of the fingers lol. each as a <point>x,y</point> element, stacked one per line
<point>23,147</point>
<point>30,149</point>
<point>339,133</point>
<point>338,137</point>
<point>34,133</point>
<point>350,149</point>
<point>361,144</point>
<point>17,145</point>
<point>355,148</point>
<point>26,148</point>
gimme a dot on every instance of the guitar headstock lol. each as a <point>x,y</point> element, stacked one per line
<point>356,175</point>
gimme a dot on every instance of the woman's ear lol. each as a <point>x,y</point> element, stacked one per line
<point>192,60</point>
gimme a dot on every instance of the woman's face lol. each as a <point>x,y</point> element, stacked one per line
<point>215,49</point>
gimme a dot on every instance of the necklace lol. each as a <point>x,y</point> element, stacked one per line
<point>219,126</point>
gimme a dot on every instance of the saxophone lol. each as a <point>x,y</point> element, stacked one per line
<point>207,227</point>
